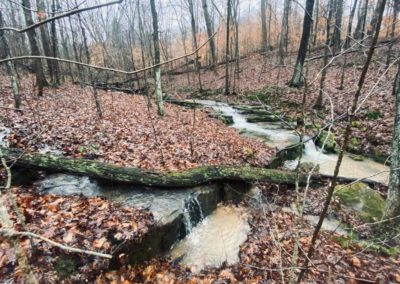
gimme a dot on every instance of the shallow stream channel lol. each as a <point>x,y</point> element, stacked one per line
<point>193,227</point>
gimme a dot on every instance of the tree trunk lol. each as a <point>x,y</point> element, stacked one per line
<point>210,32</point>
<point>347,42</point>
<point>54,45</point>
<point>396,8</point>
<point>362,17</point>
<point>41,14</point>
<point>37,65</point>
<point>316,22</point>
<point>227,46</point>
<point>283,41</point>
<point>194,39</point>
<point>319,102</point>
<point>392,206</point>
<point>264,30</point>
<point>187,178</point>
<point>298,79</point>
<point>157,70</point>
<point>374,19</point>
<point>10,67</point>
<point>336,38</point>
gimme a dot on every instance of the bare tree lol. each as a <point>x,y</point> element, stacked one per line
<point>264,30</point>
<point>284,35</point>
<point>297,79</point>
<point>362,17</point>
<point>41,81</point>
<point>157,70</point>
<point>210,32</point>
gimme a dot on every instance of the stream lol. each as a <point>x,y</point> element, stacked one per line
<point>279,137</point>
<point>194,228</point>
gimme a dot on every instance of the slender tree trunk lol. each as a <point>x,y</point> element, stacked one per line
<point>396,8</point>
<point>347,42</point>
<point>55,45</point>
<point>87,53</point>
<point>297,79</point>
<point>37,65</point>
<point>227,46</point>
<point>142,53</point>
<point>156,42</point>
<point>316,22</point>
<point>344,145</point>
<point>336,39</point>
<point>10,67</point>
<point>41,14</point>
<point>264,30</point>
<point>210,32</point>
<point>283,42</point>
<point>392,205</point>
<point>75,49</point>
<point>374,19</point>
<point>319,102</point>
<point>194,39</point>
<point>362,17</point>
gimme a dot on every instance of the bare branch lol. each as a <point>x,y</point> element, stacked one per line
<point>11,233</point>
<point>70,13</point>
<point>105,68</point>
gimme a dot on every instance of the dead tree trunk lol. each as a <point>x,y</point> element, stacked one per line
<point>227,46</point>
<point>396,8</point>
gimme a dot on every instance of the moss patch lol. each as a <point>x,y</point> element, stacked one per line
<point>355,145</point>
<point>330,144</point>
<point>364,201</point>
<point>65,266</point>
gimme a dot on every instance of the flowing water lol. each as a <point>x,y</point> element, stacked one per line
<point>215,240</point>
<point>279,137</point>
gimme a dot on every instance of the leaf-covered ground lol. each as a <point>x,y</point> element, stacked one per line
<point>260,77</point>
<point>266,256</point>
<point>128,134</point>
<point>93,224</point>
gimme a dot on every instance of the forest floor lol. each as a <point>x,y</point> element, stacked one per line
<point>130,134</point>
<point>262,81</point>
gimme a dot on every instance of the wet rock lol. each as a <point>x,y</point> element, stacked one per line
<point>365,202</point>
<point>253,118</point>
<point>330,144</point>
<point>226,119</point>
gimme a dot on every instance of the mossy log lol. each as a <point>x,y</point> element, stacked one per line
<point>129,175</point>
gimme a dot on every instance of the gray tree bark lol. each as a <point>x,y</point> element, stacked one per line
<point>264,30</point>
<point>210,32</point>
<point>283,41</point>
<point>157,70</point>
<point>41,81</point>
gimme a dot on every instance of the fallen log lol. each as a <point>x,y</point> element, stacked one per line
<point>137,176</point>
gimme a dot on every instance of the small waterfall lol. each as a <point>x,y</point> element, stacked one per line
<point>192,213</point>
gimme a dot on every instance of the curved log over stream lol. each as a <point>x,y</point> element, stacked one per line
<point>127,175</point>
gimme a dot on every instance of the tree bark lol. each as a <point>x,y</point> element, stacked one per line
<point>336,38</point>
<point>41,14</point>
<point>227,46</point>
<point>362,16</point>
<point>37,65</point>
<point>10,67</point>
<point>392,206</point>
<point>297,79</point>
<point>264,30</point>
<point>283,41</point>
<point>194,40</point>
<point>187,178</point>
<point>396,8</point>
<point>157,70</point>
<point>210,32</point>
